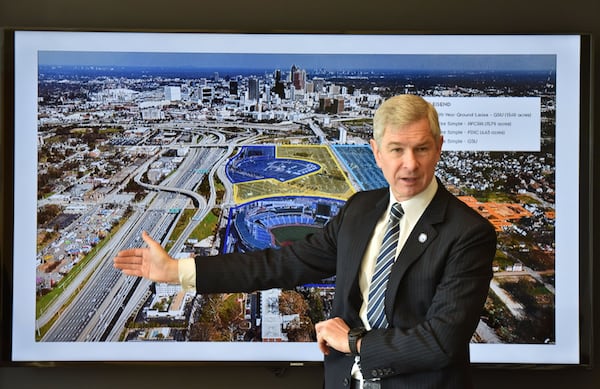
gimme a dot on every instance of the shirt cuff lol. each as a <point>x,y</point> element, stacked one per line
<point>187,274</point>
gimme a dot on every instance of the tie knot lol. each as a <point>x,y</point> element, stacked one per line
<point>396,212</point>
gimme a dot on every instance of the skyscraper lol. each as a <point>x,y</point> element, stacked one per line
<point>299,79</point>
<point>172,93</point>
<point>279,87</point>
<point>253,89</point>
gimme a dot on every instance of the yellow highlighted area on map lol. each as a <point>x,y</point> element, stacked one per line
<point>329,181</point>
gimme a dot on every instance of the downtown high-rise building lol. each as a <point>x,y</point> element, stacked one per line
<point>253,89</point>
<point>299,79</point>
<point>172,93</point>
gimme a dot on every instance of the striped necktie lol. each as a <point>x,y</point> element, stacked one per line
<point>383,265</point>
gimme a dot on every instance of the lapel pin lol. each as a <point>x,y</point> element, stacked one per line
<point>422,237</point>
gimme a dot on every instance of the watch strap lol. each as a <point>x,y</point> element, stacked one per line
<point>353,336</point>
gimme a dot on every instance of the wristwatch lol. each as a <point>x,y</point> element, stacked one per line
<point>353,336</point>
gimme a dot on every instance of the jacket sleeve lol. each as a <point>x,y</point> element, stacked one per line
<point>308,260</point>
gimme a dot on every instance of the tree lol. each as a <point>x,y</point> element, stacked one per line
<point>291,302</point>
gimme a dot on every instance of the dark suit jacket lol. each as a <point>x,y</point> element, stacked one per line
<point>434,299</point>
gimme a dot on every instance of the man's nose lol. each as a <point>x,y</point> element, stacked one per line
<point>409,160</point>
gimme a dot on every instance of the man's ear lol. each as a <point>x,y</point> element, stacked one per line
<point>375,150</point>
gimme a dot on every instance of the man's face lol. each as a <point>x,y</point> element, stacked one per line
<point>407,157</point>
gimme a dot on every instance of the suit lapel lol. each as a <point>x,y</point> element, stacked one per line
<point>423,233</point>
<point>365,228</point>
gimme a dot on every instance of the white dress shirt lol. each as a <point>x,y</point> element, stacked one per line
<point>413,209</point>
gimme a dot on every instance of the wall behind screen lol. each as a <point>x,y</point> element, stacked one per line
<point>423,16</point>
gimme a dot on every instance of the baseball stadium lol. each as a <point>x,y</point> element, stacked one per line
<point>284,193</point>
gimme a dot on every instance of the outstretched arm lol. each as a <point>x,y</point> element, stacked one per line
<point>151,262</point>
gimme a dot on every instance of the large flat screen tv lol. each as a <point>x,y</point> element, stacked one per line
<point>220,142</point>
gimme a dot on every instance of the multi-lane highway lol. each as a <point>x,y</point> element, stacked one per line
<point>97,304</point>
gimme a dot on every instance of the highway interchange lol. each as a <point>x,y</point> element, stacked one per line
<point>96,305</point>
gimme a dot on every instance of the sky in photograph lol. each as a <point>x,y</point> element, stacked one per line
<point>332,62</point>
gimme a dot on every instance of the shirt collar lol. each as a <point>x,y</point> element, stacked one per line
<point>414,207</point>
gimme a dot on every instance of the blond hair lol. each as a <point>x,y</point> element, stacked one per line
<point>402,110</point>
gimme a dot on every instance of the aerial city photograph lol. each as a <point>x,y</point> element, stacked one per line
<point>214,153</point>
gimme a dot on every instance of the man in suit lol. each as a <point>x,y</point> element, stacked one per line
<point>433,293</point>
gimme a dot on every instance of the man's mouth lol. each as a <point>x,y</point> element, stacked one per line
<point>409,180</point>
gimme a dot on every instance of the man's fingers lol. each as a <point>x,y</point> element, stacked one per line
<point>324,348</point>
<point>128,259</point>
<point>332,334</point>
<point>126,253</point>
<point>322,344</point>
<point>131,272</point>
<point>321,329</point>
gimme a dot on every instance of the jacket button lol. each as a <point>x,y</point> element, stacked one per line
<point>346,381</point>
